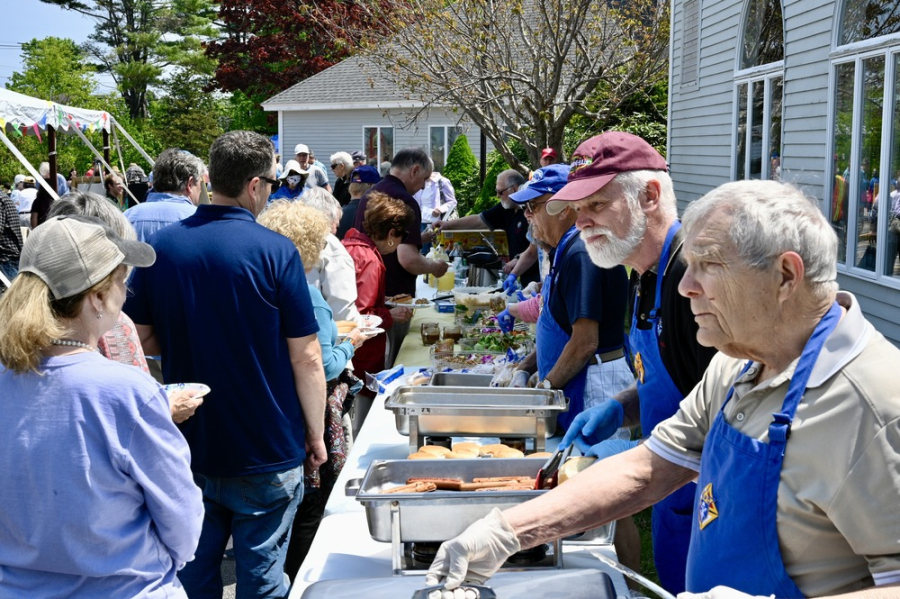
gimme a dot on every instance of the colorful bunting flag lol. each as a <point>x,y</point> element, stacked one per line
<point>37,132</point>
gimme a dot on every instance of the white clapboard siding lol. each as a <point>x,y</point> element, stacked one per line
<point>701,116</point>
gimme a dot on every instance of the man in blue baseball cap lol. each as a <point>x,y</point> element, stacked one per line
<point>579,340</point>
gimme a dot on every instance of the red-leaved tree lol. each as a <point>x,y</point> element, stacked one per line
<point>267,46</point>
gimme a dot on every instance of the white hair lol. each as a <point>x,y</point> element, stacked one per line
<point>633,183</point>
<point>324,202</point>
<point>343,158</point>
<point>768,219</point>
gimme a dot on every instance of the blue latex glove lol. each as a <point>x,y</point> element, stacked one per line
<point>509,285</point>
<point>610,447</point>
<point>522,297</point>
<point>594,425</point>
<point>505,321</point>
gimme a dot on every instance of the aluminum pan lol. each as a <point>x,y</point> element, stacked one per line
<point>464,411</point>
<point>442,515</point>
<point>460,379</point>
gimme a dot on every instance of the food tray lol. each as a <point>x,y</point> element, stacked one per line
<point>460,379</point>
<point>482,362</point>
<point>442,515</point>
<point>467,412</point>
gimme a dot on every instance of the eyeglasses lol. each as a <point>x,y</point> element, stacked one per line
<point>334,166</point>
<point>532,208</point>
<point>275,183</point>
<point>500,191</point>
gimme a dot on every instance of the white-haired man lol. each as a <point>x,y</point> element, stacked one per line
<point>342,166</point>
<point>620,187</point>
<point>801,375</point>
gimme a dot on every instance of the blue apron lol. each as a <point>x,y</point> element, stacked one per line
<point>659,397</point>
<point>551,339</point>
<point>734,541</point>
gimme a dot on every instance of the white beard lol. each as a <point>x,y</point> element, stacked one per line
<point>612,251</point>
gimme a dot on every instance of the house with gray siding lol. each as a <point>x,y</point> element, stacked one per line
<point>808,92</point>
<point>352,106</point>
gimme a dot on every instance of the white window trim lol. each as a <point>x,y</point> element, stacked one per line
<point>846,55</point>
<point>377,139</point>
<point>766,74</point>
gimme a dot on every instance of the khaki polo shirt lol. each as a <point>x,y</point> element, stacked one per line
<point>838,513</point>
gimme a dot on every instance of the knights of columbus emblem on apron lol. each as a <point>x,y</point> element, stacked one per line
<point>639,367</point>
<point>707,511</point>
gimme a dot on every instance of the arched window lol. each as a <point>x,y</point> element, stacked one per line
<point>865,113</point>
<point>759,92</point>
<point>868,19</point>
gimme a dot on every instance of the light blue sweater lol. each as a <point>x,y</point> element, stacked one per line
<point>96,493</point>
<point>334,355</point>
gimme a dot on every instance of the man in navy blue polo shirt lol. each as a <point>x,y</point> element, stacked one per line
<point>227,304</point>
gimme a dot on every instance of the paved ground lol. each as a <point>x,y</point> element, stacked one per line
<point>228,578</point>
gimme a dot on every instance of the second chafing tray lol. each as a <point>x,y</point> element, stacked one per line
<point>474,412</point>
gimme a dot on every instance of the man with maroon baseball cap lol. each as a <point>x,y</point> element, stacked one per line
<point>621,189</point>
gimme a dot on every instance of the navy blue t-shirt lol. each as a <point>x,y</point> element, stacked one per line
<point>515,224</point>
<point>224,295</point>
<point>584,290</point>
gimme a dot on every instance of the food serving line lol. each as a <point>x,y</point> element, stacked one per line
<point>346,561</point>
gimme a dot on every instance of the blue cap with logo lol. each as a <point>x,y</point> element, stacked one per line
<point>365,174</point>
<point>549,179</point>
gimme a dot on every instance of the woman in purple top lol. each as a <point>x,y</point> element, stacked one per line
<point>96,494</point>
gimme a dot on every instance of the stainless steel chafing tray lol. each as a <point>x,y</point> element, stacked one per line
<point>460,379</point>
<point>473,412</point>
<point>439,515</point>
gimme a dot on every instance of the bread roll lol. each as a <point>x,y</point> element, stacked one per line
<point>434,449</point>
<point>573,466</point>
<point>493,449</point>
<point>419,455</point>
<point>467,446</point>
<point>509,452</point>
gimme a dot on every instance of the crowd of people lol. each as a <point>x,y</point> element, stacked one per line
<point>235,273</point>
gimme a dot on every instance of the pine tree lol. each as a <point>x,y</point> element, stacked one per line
<point>462,170</point>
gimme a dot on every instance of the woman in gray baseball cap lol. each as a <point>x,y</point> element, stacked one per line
<point>95,482</point>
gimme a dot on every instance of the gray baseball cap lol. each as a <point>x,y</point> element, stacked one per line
<point>74,253</point>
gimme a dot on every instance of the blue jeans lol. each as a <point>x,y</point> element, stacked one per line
<point>257,511</point>
<point>10,270</point>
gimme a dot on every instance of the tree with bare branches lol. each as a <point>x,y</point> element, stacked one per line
<point>518,69</point>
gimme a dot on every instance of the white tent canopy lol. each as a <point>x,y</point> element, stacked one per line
<point>24,112</point>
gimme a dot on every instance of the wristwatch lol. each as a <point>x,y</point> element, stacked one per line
<point>544,384</point>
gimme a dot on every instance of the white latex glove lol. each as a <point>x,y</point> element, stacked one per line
<point>721,592</point>
<point>476,554</point>
<point>519,379</point>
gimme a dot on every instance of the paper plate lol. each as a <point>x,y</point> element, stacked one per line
<point>370,320</point>
<point>371,331</point>
<point>199,389</point>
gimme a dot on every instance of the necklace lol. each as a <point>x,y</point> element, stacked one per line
<point>73,343</point>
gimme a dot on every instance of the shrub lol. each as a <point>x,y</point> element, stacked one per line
<point>462,170</point>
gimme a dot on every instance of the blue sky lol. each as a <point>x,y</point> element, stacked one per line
<point>25,20</point>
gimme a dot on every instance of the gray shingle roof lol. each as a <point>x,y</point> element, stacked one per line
<point>354,80</point>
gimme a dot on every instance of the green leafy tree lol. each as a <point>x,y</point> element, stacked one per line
<point>461,168</point>
<point>187,117</point>
<point>135,40</point>
<point>242,111</point>
<point>488,196</point>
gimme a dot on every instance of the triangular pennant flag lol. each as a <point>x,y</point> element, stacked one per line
<point>15,130</point>
<point>91,128</point>
<point>44,120</point>
<point>2,123</point>
<point>37,132</point>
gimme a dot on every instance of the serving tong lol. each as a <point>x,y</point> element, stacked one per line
<point>548,476</point>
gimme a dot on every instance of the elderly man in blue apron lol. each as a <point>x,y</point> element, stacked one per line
<point>627,215</point>
<point>791,434</point>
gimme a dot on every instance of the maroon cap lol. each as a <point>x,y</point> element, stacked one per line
<point>599,159</point>
<point>549,152</point>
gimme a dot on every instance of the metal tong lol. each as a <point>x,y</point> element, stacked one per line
<point>548,475</point>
